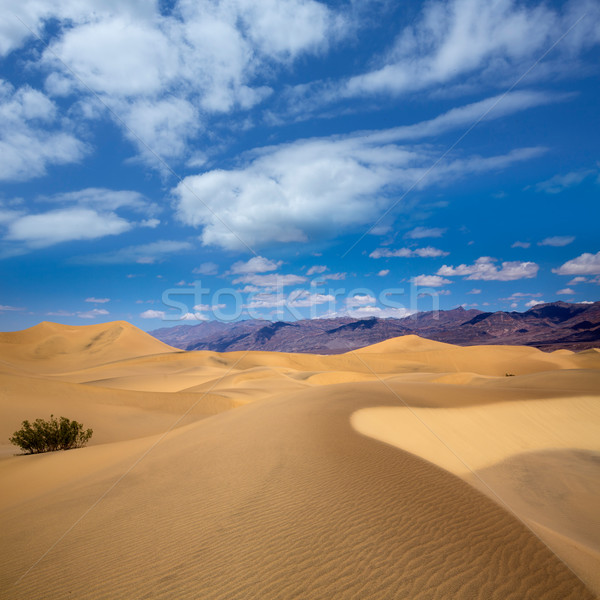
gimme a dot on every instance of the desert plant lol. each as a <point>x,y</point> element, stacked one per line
<point>49,436</point>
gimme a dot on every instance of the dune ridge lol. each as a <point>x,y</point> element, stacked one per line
<point>299,476</point>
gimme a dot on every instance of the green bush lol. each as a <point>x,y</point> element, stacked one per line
<point>49,436</point>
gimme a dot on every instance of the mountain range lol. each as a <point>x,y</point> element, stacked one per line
<point>548,327</point>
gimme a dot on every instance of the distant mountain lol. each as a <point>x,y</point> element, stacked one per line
<point>545,326</point>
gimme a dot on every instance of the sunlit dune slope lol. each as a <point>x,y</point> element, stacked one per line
<point>277,499</point>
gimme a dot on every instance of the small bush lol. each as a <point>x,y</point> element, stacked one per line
<point>49,436</point>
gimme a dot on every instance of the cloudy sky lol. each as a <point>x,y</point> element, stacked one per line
<point>168,162</point>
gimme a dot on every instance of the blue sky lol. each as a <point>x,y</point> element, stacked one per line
<point>170,162</point>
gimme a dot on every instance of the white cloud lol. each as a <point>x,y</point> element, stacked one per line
<point>316,269</point>
<point>309,188</point>
<point>4,307</point>
<point>31,137</point>
<point>162,74</point>
<point>585,264</point>
<point>257,264</point>
<point>153,314</point>
<point>92,314</point>
<point>426,252</point>
<point>295,299</point>
<point>98,300</point>
<point>577,280</point>
<point>430,280</point>
<point>557,241</point>
<point>208,307</point>
<point>151,223</point>
<point>86,214</point>
<point>484,269</point>
<point>305,299</point>
<point>566,292</point>
<point>488,109</point>
<point>360,300</point>
<point>332,276</point>
<point>63,225</point>
<point>478,39</point>
<point>383,272</point>
<point>195,316</point>
<point>271,281</point>
<point>532,303</point>
<point>104,199</point>
<point>521,245</point>
<point>474,291</point>
<point>142,254</point>
<point>558,183</point>
<point>207,268</point>
<point>363,312</point>
<point>425,232</point>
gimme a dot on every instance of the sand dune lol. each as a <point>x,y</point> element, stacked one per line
<point>50,346</point>
<point>299,476</point>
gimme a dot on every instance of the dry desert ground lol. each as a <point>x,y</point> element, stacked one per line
<point>407,469</point>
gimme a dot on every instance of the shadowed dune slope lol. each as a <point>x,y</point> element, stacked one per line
<point>279,499</point>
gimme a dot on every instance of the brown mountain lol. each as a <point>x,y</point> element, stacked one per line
<point>546,326</point>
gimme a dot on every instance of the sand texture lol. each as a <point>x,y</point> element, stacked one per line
<point>408,469</point>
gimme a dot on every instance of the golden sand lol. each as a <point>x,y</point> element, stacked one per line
<point>409,469</point>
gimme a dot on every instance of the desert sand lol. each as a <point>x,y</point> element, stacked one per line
<point>408,469</point>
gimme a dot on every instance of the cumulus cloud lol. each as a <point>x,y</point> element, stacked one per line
<point>557,241</point>
<point>533,303</point>
<point>426,252</point>
<point>87,214</point>
<point>195,316</point>
<point>383,272</point>
<point>295,299</point>
<point>430,280</point>
<point>31,136</point>
<point>309,188</point>
<point>521,245</point>
<point>164,73</point>
<point>257,264</point>
<point>474,291</point>
<point>485,269</point>
<point>97,300</point>
<point>585,264</point>
<point>63,225</point>
<point>566,292</point>
<point>360,300</point>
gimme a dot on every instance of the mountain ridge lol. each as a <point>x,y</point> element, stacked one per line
<point>549,326</point>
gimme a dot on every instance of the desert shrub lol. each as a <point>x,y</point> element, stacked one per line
<point>49,436</point>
